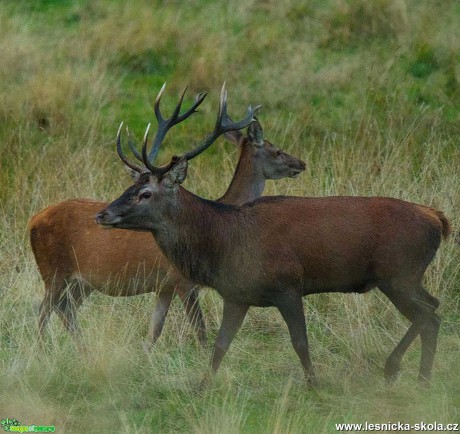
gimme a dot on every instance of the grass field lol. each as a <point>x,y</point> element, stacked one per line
<point>367,92</point>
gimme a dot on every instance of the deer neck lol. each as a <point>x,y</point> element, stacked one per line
<point>191,236</point>
<point>248,182</point>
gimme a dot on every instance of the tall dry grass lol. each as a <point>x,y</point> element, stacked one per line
<point>366,92</point>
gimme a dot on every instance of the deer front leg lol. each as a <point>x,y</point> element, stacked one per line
<point>291,309</point>
<point>233,317</point>
<point>195,315</point>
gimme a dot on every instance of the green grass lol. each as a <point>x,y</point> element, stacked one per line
<point>366,92</point>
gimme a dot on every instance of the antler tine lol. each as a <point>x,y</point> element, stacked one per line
<point>122,156</point>
<point>131,145</point>
<point>176,111</point>
<point>145,158</point>
<point>223,124</point>
<point>156,106</point>
<point>151,156</point>
<point>163,124</point>
<point>198,100</point>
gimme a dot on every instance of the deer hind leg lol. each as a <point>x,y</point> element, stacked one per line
<point>418,306</point>
<point>393,362</point>
<point>291,309</point>
<point>69,304</point>
<point>53,290</point>
<point>194,313</point>
<point>159,316</point>
<point>428,334</point>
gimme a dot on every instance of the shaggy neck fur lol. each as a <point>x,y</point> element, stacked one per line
<point>192,238</point>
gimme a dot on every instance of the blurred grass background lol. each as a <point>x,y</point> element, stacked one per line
<point>367,92</point>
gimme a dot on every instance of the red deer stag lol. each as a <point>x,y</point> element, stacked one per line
<point>274,250</point>
<point>70,248</point>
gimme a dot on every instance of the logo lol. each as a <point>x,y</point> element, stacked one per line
<point>13,425</point>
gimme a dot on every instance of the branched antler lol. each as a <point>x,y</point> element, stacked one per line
<point>164,125</point>
<point>223,124</point>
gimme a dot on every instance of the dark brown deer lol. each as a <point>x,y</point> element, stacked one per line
<point>73,252</point>
<point>274,250</point>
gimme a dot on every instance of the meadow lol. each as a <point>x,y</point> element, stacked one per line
<point>366,92</point>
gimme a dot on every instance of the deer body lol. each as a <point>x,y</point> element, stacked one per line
<point>70,248</point>
<point>333,244</point>
<point>274,250</point>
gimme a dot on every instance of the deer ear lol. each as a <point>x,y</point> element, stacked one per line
<point>256,133</point>
<point>176,175</point>
<point>233,136</point>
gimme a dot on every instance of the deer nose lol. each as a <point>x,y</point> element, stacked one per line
<point>101,216</point>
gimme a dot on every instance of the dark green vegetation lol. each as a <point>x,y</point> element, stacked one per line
<point>367,92</point>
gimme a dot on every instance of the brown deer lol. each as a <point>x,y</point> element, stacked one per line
<point>73,252</point>
<point>274,250</point>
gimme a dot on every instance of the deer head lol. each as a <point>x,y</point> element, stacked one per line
<point>155,191</point>
<point>268,159</point>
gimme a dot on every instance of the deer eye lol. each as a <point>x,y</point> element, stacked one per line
<point>145,194</point>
